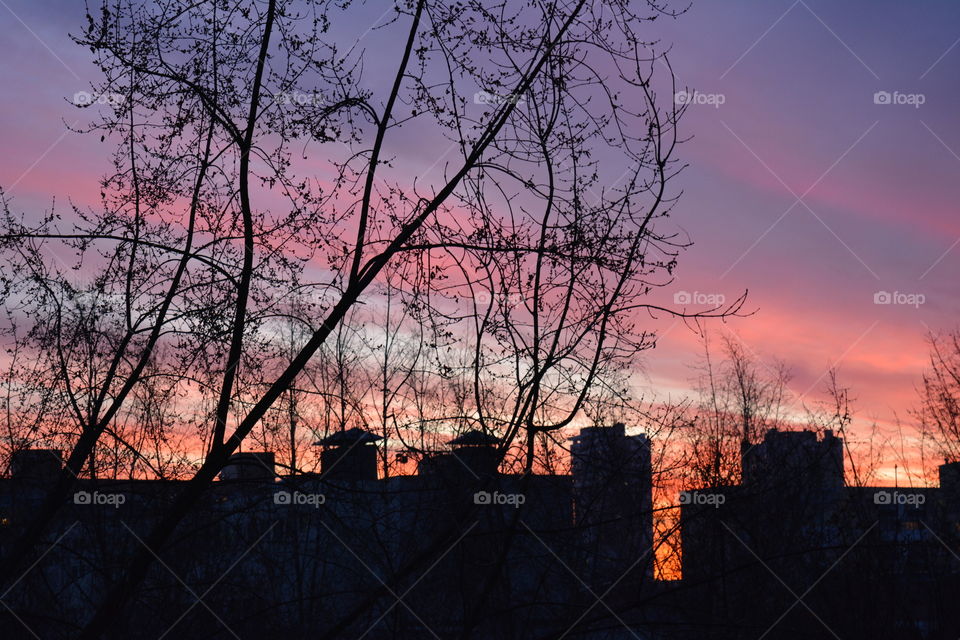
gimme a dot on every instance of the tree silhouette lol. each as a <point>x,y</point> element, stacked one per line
<point>261,162</point>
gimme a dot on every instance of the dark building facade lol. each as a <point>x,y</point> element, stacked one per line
<point>613,502</point>
<point>340,554</point>
<point>793,552</point>
<point>462,550</point>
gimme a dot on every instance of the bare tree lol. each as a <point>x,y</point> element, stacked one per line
<point>740,397</point>
<point>551,202</point>
<point>939,410</point>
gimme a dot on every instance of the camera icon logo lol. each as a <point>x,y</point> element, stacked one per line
<point>682,297</point>
<point>882,297</point>
<point>282,497</point>
<point>882,97</point>
<point>882,497</point>
<point>82,497</point>
<point>82,98</point>
<point>482,497</point>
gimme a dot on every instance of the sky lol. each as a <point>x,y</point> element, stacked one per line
<point>823,173</point>
<point>823,177</point>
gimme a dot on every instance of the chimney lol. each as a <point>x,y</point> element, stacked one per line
<point>250,466</point>
<point>472,455</point>
<point>349,455</point>
<point>477,451</point>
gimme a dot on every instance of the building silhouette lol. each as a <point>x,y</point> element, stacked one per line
<point>612,502</point>
<point>794,552</point>
<point>462,549</point>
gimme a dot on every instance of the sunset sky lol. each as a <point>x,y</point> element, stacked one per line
<point>801,188</point>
